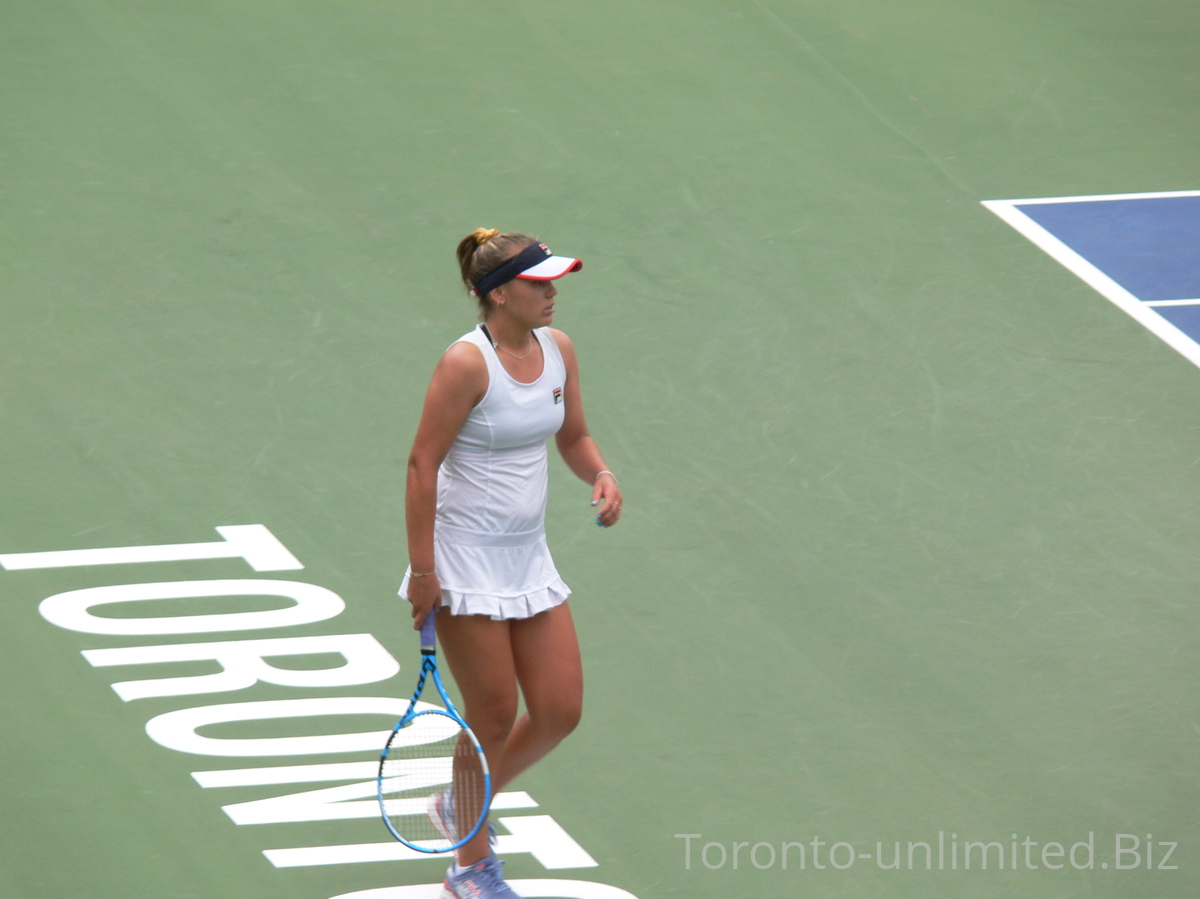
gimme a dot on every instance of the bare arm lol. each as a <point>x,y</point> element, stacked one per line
<point>458,384</point>
<point>577,447</point>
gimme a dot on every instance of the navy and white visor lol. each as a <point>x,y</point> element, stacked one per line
<point>534,263</point>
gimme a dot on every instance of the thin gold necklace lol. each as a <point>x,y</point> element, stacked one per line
<point>525,355</point>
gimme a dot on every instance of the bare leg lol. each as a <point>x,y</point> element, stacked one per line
<point>479,652</point>
<point>548,668</point>
<point>488,660</point>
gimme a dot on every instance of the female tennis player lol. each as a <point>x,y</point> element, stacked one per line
<point>475,510</point>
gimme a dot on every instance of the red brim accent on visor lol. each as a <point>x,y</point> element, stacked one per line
<point>552,267</point>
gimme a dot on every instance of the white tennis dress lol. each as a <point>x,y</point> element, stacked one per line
<point>489,537</point>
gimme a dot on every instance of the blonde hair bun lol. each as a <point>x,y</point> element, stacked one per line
<point>483,250</point>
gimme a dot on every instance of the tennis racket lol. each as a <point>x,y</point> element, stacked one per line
<point>434,786</point>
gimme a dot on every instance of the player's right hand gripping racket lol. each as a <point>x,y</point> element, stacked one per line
<point>434,786</point>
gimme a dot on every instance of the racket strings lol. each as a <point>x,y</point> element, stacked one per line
<point>433,782</point>
<point>470,787</point>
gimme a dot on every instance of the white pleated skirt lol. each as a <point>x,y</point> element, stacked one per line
<point>503,576</point>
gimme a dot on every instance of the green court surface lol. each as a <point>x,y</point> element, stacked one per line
<point>909,559</point>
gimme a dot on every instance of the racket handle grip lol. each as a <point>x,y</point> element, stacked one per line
<point>429,631</point>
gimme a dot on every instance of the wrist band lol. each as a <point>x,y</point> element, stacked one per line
<point>607,472</point>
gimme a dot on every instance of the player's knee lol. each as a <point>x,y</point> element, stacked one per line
<point>492,717</point>
<point>570,718</point>
<point>562,716</point>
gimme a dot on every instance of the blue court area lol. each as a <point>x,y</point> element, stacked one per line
<point>1185,318</point>
<point>1149,245</point>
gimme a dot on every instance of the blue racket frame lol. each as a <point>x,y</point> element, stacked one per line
<point>429,668</point>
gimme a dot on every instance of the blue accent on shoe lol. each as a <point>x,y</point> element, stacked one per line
<point>482,880</point>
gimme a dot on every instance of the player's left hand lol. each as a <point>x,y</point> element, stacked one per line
<point>606,498</point>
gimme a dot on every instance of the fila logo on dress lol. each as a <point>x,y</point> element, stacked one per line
<point>557,395</point>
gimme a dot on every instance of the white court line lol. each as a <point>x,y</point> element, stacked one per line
<point>1094,198</point>
<point>1092,276</point>
<point>1195,302</point>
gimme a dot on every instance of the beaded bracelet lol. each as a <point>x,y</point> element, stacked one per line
<point>610,474</point>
